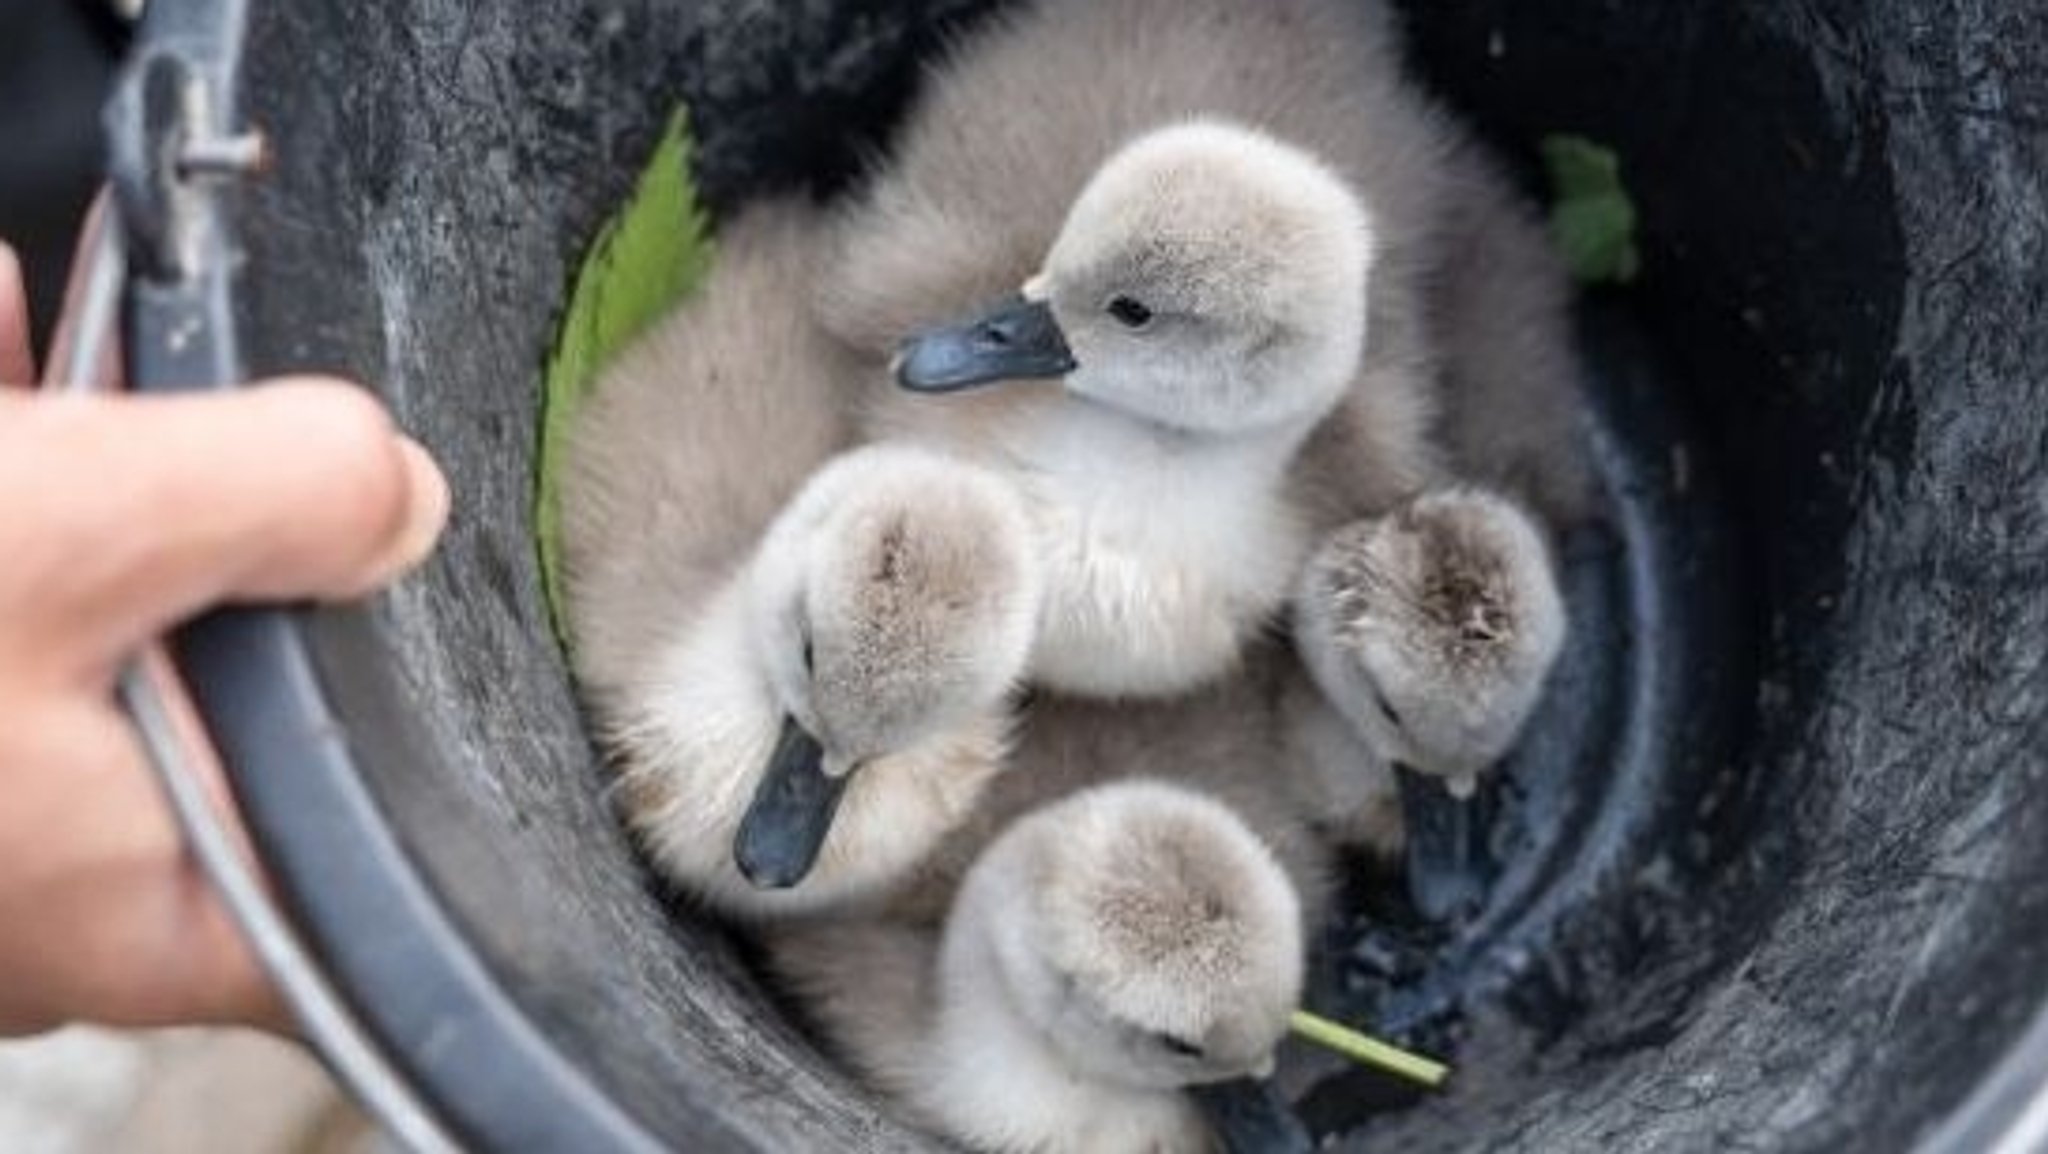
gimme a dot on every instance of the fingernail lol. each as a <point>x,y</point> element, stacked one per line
<point>427,513</point>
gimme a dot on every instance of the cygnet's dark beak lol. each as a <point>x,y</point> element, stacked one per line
<point>1450,864</point>
<point>1020,340</point>
<point>786,823</point>
<point>1249,1117</point>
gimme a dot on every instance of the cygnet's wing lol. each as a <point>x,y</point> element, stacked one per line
<point>693,441</point>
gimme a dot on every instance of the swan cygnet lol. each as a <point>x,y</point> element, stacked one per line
<point>1105,955</point>
<point>1432,631</point>
<point>839,709</point>
<point>1202,309</point>
<point>1468,366</point>
<point>737,688</point>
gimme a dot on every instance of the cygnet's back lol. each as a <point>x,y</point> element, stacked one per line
<point>1262,741</point>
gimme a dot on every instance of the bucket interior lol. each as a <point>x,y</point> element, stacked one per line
<point>1773,843</point>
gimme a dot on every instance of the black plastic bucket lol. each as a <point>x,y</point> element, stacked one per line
<point>1800,903</point>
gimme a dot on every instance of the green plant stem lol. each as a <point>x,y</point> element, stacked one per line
<point>1369,1051</point>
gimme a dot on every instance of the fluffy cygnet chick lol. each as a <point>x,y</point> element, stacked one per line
<point>1432,628</point>
<point>735,681</point>
<point>1432,631</point>
<point>838,708</point>
<point>1468,346</point>
<point>1106,953</point>
<point>1203,309</point>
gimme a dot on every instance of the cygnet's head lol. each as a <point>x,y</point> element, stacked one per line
<point>1209,278</point>
<point>1145,934</point>
<point>1449,620</point>
<point>895,599</point>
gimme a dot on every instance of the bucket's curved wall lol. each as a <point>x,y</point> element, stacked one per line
<point>441,167</point>
<point>1842,212</point>
<point>1838,208</point>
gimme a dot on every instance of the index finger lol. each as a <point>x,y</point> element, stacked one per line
<point>142,511</point>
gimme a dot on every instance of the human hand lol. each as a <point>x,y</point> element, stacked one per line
<point>119,517</point>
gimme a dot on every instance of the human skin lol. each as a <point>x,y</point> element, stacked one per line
<point>119,518</point>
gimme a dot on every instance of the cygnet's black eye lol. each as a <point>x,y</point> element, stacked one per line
<point>803,633</point>
<point>1129,312</point>
<point>1181,1046</point>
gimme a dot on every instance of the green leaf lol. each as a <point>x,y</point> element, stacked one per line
<point>1369,1051</point>
<point>645,259</point>
<point>1592,219</point>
